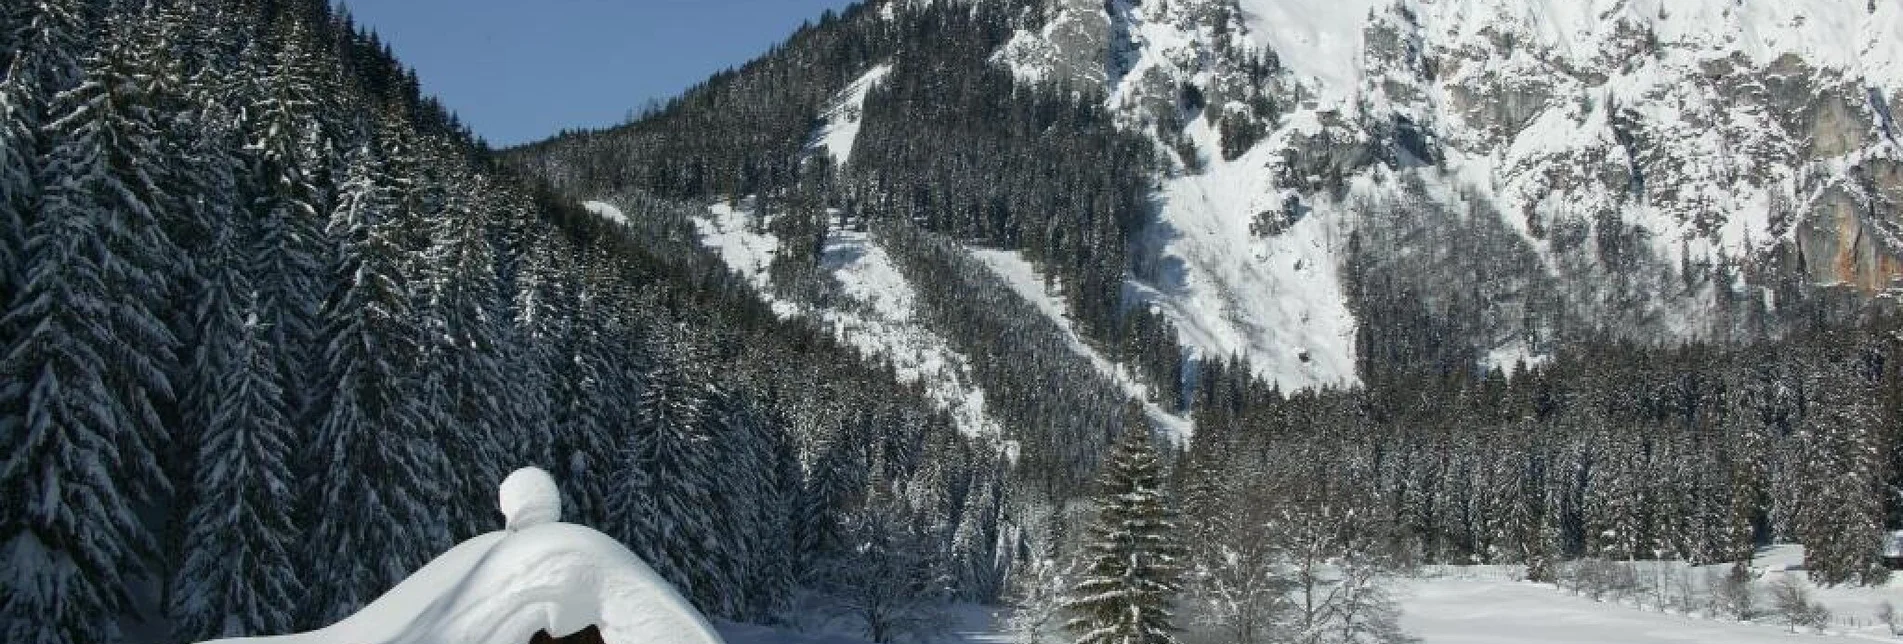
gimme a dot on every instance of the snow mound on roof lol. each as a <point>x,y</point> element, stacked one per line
<point>504,587</point>
<point>529,498</point>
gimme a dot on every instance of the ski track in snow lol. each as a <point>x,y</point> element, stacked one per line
<point>1024,278</point>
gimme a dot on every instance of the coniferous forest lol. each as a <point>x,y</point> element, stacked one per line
<point>275,324</point>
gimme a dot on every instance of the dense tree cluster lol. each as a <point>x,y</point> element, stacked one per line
<point>1612,451</point>
<point>275,325</point>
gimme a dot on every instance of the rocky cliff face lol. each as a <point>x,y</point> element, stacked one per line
<point>1666,165</point>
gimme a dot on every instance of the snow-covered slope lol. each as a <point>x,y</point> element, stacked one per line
<point>845,114</point>
<point>1024,278</point>
<point>875,313</point>
<point>1275,299</point>
<point>1662,162</point>
<point>504,587</point>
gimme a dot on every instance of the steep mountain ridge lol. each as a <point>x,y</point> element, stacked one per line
<point>1676,170</point>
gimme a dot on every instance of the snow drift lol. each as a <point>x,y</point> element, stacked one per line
<point>504,587</point>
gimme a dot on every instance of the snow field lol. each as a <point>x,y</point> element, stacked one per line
<point>1484,604</point>
<point>1276,300</point>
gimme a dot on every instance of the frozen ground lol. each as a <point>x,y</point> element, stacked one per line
<point>1473,611</point>
<point>1487,604</point>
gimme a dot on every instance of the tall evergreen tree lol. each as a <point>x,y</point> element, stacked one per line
<point>1128,590</point>
<point>380,473</point>
<point>240,575</point>
<point>89,366</point>
<point>666,498</point>
<point>463,303</point>
<point>286,160</point>
<point>1841,450</point>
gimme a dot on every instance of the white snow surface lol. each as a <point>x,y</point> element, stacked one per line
<point>1489,604</point>
<point>1320,40</point>
<point>844,116</point>
<point>529,498</point>
<point>1275,300</point>
<point>1466,611</point>
<point>1024,278</point>
<point>877,316</point>
<point>606,211</point>
<point>746,247</point>
<point>503,587</point>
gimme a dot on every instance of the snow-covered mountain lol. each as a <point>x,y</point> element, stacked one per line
<point>1643,168</point>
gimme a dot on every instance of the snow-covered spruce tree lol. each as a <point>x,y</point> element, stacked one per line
<point>1841,451</point>
<point>664,501</point>
<point>753,506</point>
<point>240,575</point>
<point>464,302</point>
<point>590,397</point>
<point>285,183</point>
<point>378,512</point>
<point>82,430</point>
<point>522,348</point>
<point>1128,589</point>
<point>977,565</point>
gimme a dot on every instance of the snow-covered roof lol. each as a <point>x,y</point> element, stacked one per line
<point>504,587</point>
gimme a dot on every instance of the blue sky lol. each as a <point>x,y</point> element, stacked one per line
<point>520,70</point>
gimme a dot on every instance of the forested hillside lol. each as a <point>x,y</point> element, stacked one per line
<point>1506,401</point>
<point>275,325</point>
<point>950,151</point>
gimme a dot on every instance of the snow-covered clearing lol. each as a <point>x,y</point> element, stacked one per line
<point>1486,604</point>
<point>745,245</point>
<point>882,321</point>
<point>844,116</point>
<point>1319,40</point>
<point>606,211</point>
<point>1024,278</point>
<point>1471,611</point>
<point>878,314</point>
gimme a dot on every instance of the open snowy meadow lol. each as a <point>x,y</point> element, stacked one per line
<point>1489,604</point>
